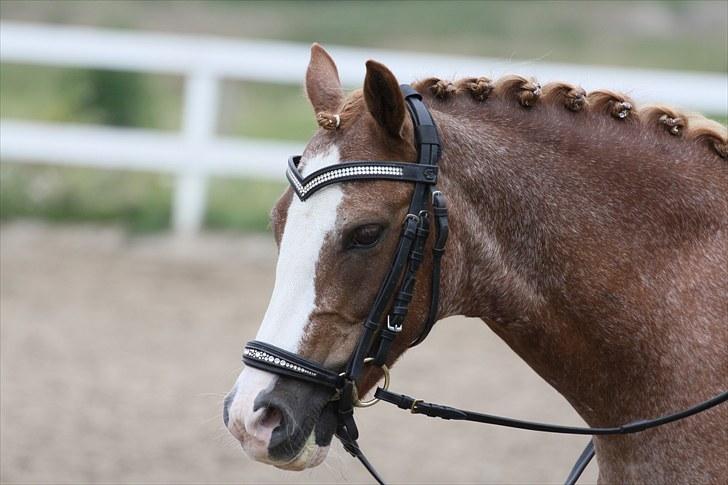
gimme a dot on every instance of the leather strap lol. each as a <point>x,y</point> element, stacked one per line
<point>352,447</point>
<point>429,150</point>
<point>401,303</point>
<point>263,356</point>
<point>439,210</point>
<point>581,464</point>
<point>416,406</point>
<point>376,314</point>
<point>357,170</point>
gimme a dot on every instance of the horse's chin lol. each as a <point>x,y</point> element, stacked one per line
<point>311,455</point>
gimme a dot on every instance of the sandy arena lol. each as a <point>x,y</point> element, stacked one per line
<point>117,352</point>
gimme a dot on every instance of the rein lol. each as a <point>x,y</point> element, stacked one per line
<point>390,307</point>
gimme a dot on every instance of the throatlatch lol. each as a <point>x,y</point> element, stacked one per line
<point>390,307</point>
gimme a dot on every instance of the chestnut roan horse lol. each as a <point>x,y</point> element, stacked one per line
<point>592,237</point>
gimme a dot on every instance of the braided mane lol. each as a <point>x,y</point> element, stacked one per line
<point>527,93</point>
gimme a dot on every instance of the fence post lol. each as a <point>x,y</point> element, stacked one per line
<point>199,122</point>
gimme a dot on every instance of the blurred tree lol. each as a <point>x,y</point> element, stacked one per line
<point>116,98</point>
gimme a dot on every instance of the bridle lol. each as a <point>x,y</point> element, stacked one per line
<point>390,307</point>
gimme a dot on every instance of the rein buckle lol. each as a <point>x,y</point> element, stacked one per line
<point>413,408</point>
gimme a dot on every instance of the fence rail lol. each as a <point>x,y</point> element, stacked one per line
<point>197,152</point>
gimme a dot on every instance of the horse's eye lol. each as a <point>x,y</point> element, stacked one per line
<point>364,237</point>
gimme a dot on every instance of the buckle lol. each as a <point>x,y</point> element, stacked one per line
<point>413,408</point>
<point>392,328</point>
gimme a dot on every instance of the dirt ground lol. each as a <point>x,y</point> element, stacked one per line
<point>116,353</point>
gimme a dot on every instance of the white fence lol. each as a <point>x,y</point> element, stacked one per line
<point>198,152</point>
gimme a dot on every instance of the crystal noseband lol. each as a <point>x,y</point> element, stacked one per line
<point>278,361</point>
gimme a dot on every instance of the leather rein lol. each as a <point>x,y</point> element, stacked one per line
<point>391,304</point>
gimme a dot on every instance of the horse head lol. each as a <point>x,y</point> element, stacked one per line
<point>335,248</point>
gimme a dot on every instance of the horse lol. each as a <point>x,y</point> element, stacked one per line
<point>591,236</point>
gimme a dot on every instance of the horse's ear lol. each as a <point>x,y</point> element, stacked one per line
<point>323,86</point>
<point>384,99</point>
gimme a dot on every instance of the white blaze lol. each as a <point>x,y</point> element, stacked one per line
<point>307,225</point>
<point>293,299</point>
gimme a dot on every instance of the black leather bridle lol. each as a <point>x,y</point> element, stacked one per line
<point>391,304</point>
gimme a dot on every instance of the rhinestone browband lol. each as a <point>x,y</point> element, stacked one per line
<point>342,172</point>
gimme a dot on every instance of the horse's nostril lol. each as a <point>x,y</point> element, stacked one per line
<point>264,421</point>
<point>280,431</point>
<point>271,417</point>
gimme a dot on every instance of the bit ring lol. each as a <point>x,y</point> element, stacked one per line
<point>370,402</point>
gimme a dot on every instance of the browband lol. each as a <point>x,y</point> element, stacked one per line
<point>356,170</point>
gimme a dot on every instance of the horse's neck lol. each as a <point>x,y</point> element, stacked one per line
<point>537,254</point>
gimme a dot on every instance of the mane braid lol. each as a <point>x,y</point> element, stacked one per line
<point>710,133</point>
<point>527,93</point>
<point>439,88</point>
<point>350,109</point>
<point>478,87</point>
<point>615,104</point>
<point>664,117</point>
<point>571,97</point>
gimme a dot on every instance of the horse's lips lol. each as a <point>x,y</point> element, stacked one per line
<point>311,455</point>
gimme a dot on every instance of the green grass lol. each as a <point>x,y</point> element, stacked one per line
<point>90,96</point>
<point>265,111</point>
<point>241,204</point>
<point>139,201</point>
<point>671,34</point>
<point>642,34</point>
<point>148,101</point>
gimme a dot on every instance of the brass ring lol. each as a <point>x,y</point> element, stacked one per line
<point>371,402</point>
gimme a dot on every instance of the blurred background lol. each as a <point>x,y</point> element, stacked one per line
<point>142,145</point>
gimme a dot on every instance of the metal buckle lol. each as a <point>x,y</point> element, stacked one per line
<point>413,408</point>
<point>371,402</point>
<point>392,328</point>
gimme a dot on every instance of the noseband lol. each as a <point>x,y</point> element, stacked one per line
<point>390,307</point>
